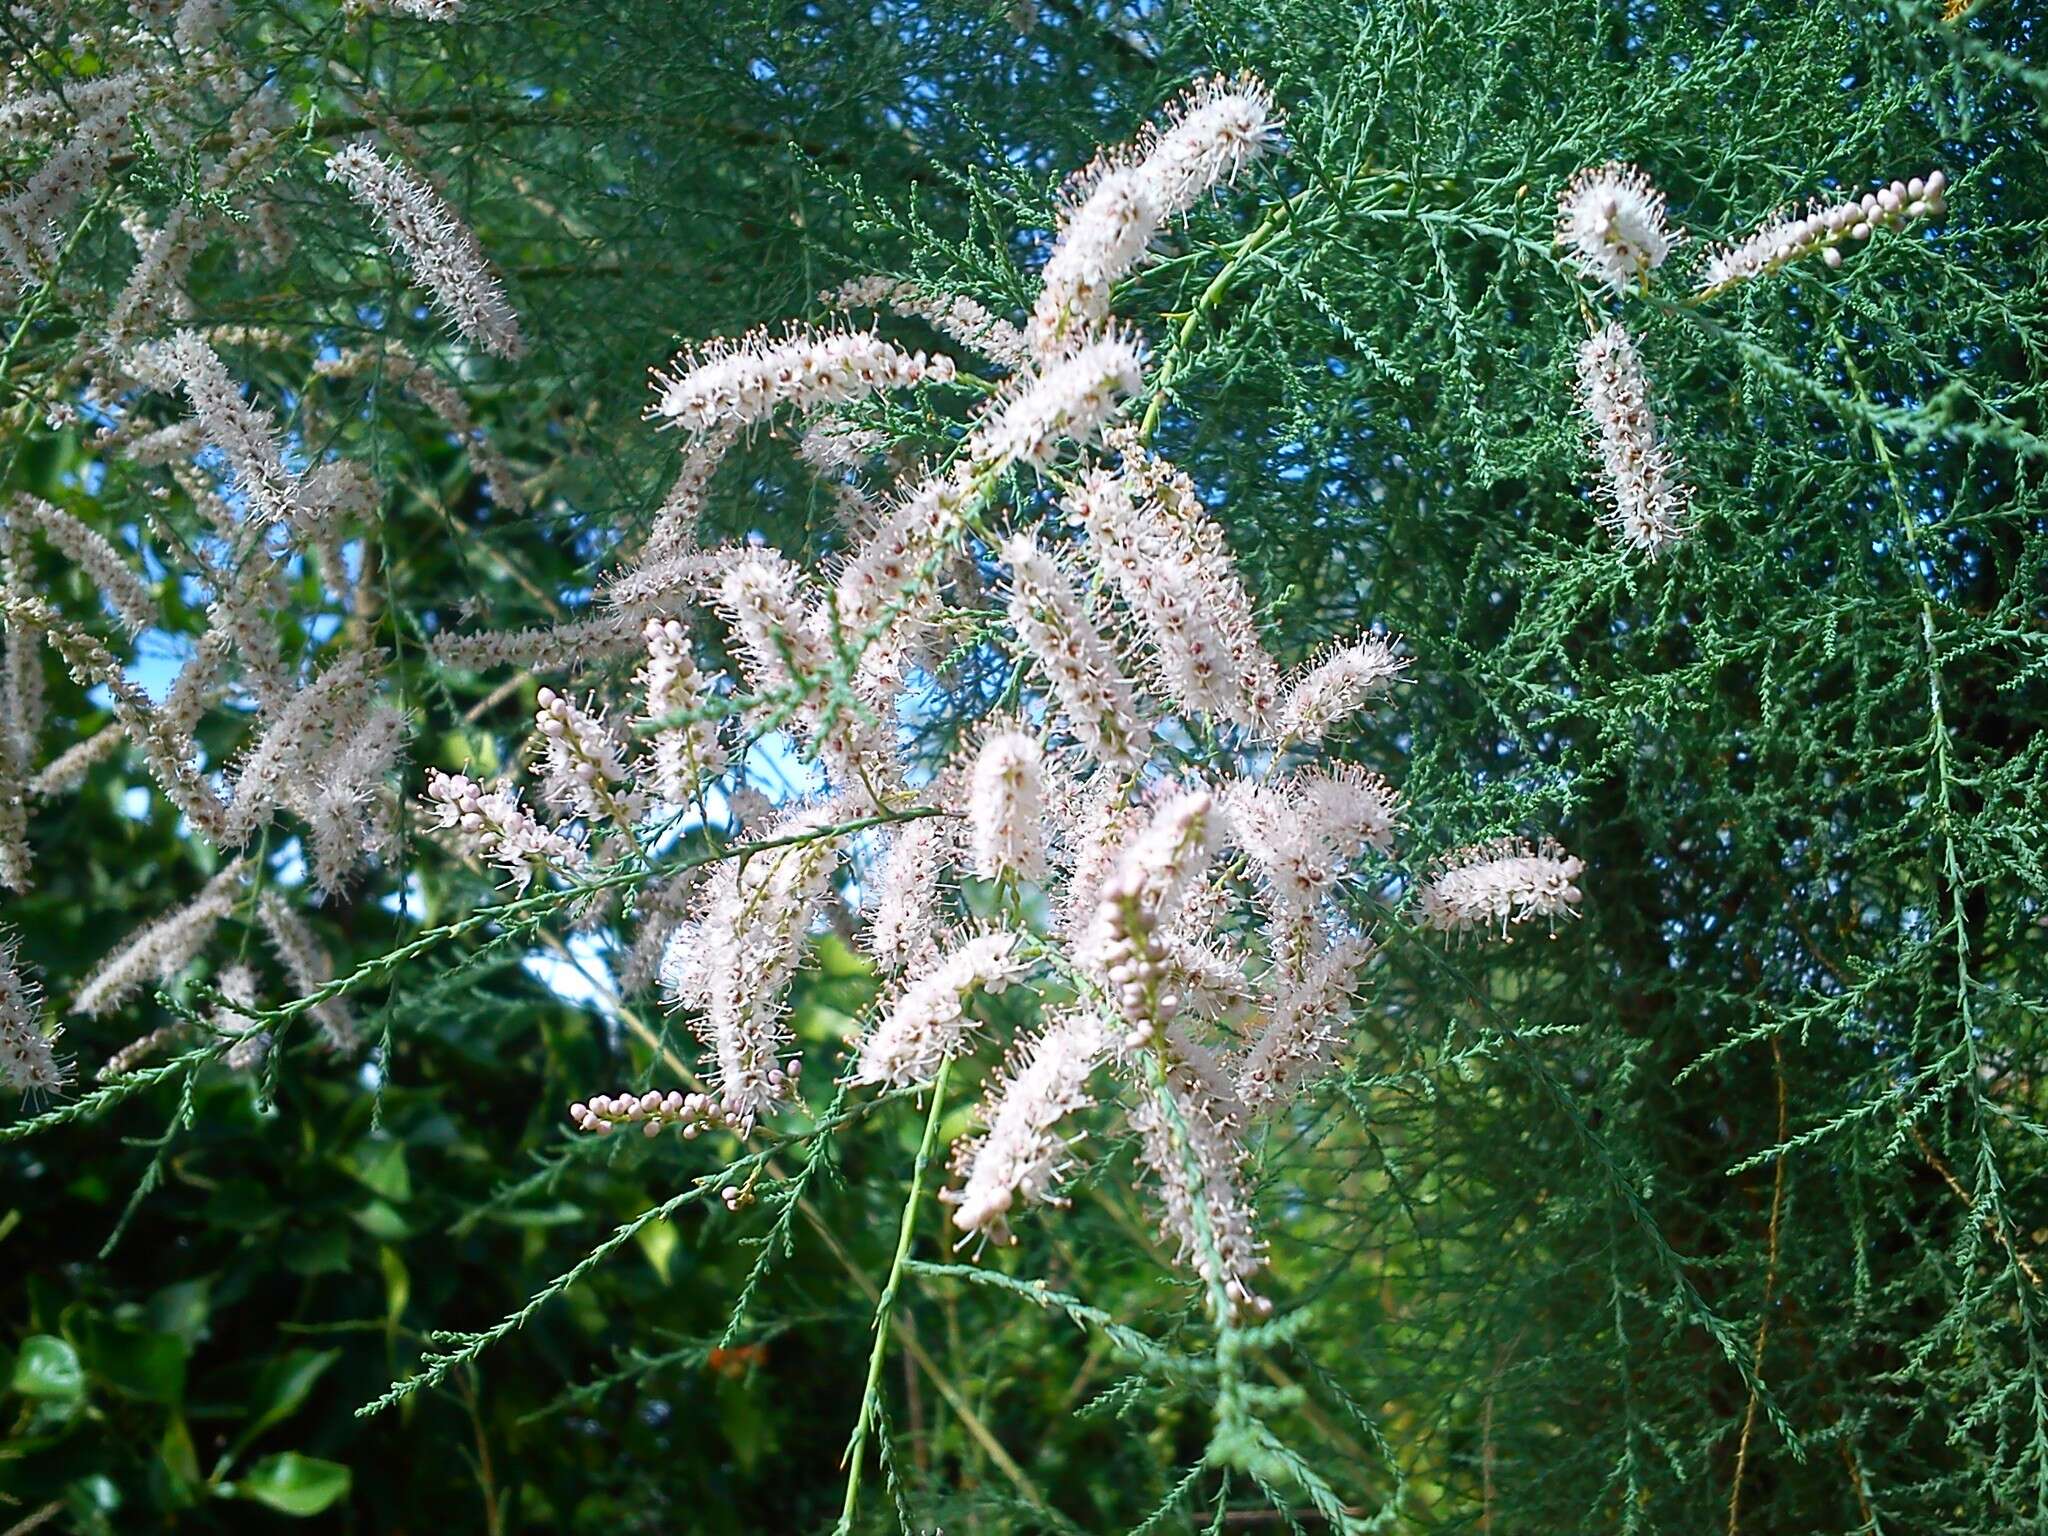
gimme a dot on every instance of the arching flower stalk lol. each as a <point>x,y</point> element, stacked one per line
<point>956,317</point>
<point>1116,206</point>
<point>724,386</point>
<point>928,1025</point>
<point>442,252</point>
<point>1021,1155</point>
<point>1123,945</point>
<point>1071,401</point>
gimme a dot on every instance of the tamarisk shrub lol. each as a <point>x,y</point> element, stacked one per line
<point>1165,1052</point>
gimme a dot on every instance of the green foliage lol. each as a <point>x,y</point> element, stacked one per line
<point>1724,1207</point>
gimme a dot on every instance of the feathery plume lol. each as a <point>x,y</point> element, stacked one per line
<point>245,433</point>
<point>902,931</point>
<point>159,950</point>
<point>1610,220</point>
<point>1195,664</point>
<point>346,804</point>
<point>1093,692</point>
<point>584,764</point>
<point>1337,687</point>
<point>166,745</point>
<point>928,1023</point>
<point>30,233</point>
<point>1645,500</point>
<point>660,908</point>
<point>1006,808</point>
<point>1071,401</point>
<point>1020,1156</point>
<point>441,250</point>
<point>895,564</point>
<point>1302,1035</point>
<point>310,968</point>
<point>1103,237</point>
<point>1116,206</point>
<point>672,539</point>
<point>1501,883</point>
<point>29,1063</point>
<point>1154,871</point>
<point>549,648</point>
<point>1200,556</point>
<point>318,721</point>
<point>681,759</point>
<point>726,385</point>
<point>734,961</point>
<point>1211,133</point>
<point>1103,824</point>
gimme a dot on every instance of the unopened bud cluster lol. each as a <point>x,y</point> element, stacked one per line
<point>1824,230</point>
<point>691,1113</point>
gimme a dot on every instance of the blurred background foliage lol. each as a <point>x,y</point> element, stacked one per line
<point>1720,1209</point>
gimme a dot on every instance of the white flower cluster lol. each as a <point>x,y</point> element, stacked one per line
<point>1021,1154</point>
<point>1006,810</point>
<point>1640,478</point>
<point>1216,991</point>
<point>496,826</point>
<point>1500,883</point>
<point>928,1023</point>
<point>728,385</point>
<point>29,1063</point>
<point>1611,225</point>
<point>442,252</point>
<point>1611,220</point>
<point>1210,135</point>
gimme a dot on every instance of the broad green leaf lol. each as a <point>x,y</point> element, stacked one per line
<point>281,1387</point>
<point>382,1222</point>
<point>658,1240</point>
<point>48,1367</point>
<point>136,1362</point>
<point>381,1165</point>
<point>397,1284</point>
<point>295,1484</point>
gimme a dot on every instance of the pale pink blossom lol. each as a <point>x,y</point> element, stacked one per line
<point>1021,1155</point>
<point>927,1024</point>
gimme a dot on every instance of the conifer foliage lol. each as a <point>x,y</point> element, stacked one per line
<point>1024,767</point>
